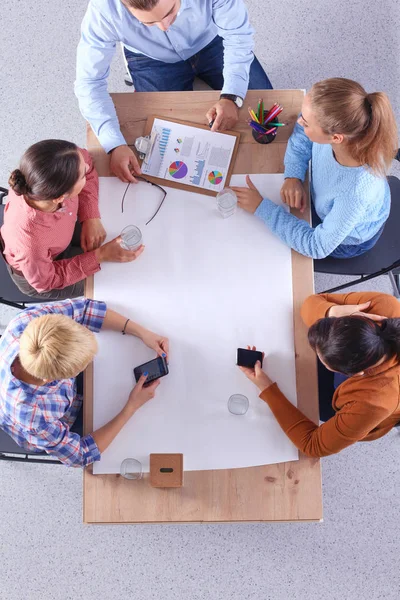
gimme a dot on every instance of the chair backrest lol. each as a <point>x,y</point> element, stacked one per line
<point>9,293</point>
<point>385,253</point>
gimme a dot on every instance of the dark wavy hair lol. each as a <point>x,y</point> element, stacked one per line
<point>355,343</point>
<point>47,170</point>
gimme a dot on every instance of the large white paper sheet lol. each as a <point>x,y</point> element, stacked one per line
<point>189,155</point>
<point>211,285</point>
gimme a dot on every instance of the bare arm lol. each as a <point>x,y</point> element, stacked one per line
<point>138,396</point>
<point>116,322</point>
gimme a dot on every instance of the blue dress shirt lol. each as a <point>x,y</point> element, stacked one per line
<point>108,22</point>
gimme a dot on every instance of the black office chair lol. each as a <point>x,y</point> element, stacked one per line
<point>9,293</point>
<point>10,451</point>
<point>383,258</point>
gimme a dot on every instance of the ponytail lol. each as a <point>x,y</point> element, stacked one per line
<point>355,343</point>
<point>366,120</point>
<point>389,332</point>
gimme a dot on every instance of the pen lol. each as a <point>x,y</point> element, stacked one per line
<point>211,123</point>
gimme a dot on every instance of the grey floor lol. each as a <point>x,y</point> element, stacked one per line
<point>46,552</point>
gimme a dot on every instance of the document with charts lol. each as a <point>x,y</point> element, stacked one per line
<point>189,155</point>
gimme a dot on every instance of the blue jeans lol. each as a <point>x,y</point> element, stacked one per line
<point>328,382</point>
<point>347,250</point>
<point>149,75</point>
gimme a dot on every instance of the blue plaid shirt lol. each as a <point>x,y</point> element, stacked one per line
<point>39,418</point>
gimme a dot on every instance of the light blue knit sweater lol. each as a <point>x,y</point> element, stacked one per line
<point>352,203</point>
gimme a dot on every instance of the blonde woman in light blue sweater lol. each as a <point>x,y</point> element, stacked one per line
<point>351,138</point>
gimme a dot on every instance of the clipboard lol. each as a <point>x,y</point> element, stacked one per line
<point>185,186</point>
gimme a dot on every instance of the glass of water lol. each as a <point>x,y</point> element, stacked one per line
<point>226,202</point>
<point>131,238</point>
<point>238,404</point>
<point>131,469</point>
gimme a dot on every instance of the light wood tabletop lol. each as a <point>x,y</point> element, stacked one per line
<point>283,492</point>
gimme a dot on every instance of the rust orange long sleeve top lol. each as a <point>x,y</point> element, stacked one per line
<point>367,406</point>
<point>33,239</point>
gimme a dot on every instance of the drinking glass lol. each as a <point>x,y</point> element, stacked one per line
<point>131,469</point>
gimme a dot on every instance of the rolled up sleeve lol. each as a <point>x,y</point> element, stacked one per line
<point>57,440</point>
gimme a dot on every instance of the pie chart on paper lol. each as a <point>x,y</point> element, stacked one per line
<point>215,177</point>
<point>178,169</point>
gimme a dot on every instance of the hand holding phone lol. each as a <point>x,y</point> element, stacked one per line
<point>154,368</point>
<point>248,358</point>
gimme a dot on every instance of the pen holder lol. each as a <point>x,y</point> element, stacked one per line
<point>262,138</point>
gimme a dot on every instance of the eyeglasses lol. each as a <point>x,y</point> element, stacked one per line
<point>155,185</point>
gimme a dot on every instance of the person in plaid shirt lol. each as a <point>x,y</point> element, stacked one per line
<point>42,351</point>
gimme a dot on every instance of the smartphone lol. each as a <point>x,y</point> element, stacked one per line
<point>155,368</point>
<point>248,358</point>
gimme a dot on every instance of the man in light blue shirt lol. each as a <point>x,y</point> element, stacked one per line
<point>167,43</point>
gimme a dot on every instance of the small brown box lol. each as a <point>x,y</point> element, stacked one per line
<point>166,470</point>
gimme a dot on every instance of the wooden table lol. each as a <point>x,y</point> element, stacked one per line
<point>283,492</point>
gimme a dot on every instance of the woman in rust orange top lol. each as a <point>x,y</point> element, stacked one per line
<point>356,337</point>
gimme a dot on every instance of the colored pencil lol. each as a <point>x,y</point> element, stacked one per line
<point>273,112</point>
<point>270,131</point>
<point>270,111</point>
<point>258,128</point>
<point>278,109</point>
<point>261,111</point>
<point>258,112</point>
<point>250,122</point>
<point>252,115</point>
<point>279,124</point>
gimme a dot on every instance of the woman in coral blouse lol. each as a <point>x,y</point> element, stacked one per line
<point>52,234</point>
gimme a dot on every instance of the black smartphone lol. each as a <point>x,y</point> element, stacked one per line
<point>248,358</point>
<point>155,368</point>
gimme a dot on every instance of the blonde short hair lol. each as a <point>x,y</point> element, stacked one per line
<point>56,347</point>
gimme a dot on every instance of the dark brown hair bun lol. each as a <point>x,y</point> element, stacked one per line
<point>17,182</point>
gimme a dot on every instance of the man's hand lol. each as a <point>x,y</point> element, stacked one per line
<point>124,164</point>
<point>93,234</point>
<point>156,342</point>
<point>248,198</point>
<point>347,310</point>
<point>113,252</point>
<point>225,115</point>
<point>257,375</point>
<point>140,395</point>
<point>293,193</point>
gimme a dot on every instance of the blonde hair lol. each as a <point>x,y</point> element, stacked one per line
<point>366,120</point>
<point>56,347</point>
